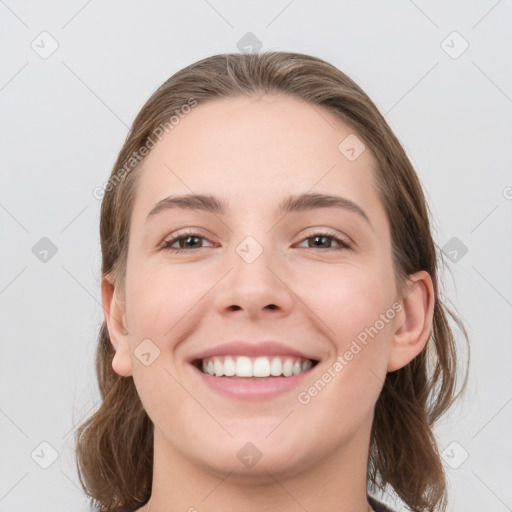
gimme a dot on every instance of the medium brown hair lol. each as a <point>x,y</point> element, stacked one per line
<point>114,447</point>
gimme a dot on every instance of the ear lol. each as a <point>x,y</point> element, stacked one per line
<point>415,322</point>
<point>114,311</point>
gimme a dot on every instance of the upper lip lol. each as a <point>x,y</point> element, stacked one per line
<point>247,348</point>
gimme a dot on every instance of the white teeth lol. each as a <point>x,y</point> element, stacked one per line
<point>276,367</point>
<point>243,366</point>
<point>261,367</point>
<point>288,368</point>
<point>229,367</point>
<point>218,367</point>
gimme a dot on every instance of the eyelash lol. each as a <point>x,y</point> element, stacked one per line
<point>167,244</point>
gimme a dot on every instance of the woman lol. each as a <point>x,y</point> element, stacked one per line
<point>274,337</point>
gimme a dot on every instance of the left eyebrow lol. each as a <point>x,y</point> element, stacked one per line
<point>303,202</point>
<point>294,203</point>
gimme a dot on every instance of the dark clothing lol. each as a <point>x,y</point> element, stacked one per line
<point>377,505</point>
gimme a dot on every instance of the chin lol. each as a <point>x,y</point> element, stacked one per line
<point>258,470</point>
<point>253,460</point>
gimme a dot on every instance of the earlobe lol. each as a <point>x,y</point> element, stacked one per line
<point>114,312</point>
<point>414,329</point>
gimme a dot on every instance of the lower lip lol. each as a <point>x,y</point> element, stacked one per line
<point>246,388</point>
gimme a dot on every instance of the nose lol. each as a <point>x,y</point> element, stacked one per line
<point>256,288</point>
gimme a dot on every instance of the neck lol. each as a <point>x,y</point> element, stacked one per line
<point>336,481</point>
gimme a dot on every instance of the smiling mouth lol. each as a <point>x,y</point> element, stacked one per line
<point>254,367</point>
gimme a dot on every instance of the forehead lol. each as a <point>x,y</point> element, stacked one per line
<point>247,149</point>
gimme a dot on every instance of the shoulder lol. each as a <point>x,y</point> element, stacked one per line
<point>378,506</point>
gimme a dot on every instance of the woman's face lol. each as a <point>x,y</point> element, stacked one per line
<point>251,273</point>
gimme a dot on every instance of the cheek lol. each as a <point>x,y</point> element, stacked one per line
<point>354,308</point>
<point>158,300</point>
<point>348,298</point>
<point>159,297</point>
<point>163,302</point>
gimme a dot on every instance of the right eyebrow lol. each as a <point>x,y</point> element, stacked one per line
<point>204,202</point>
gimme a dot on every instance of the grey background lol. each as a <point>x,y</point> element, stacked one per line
<point>64,118</point>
